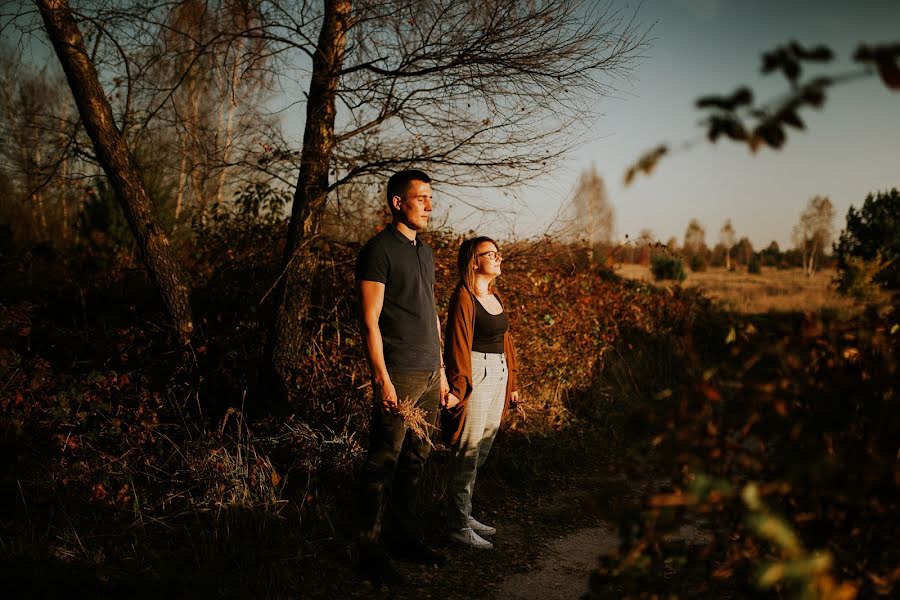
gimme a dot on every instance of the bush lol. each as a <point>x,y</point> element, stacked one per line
<point>698,263</point>
<point>774,484</point>
<point>755,265</point>
<point>858,277</point>
<point>872,235</point>
<point>667,267</point>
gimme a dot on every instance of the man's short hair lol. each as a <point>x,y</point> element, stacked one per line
<point>399,182</point>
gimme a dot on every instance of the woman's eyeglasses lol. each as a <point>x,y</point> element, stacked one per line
<point>492,254</point>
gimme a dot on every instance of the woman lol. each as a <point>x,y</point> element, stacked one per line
<point>481,370</point>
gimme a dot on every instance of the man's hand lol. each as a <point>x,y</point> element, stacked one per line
<point>388,395</point>
<point>445,388</point>
<point>450,401</point>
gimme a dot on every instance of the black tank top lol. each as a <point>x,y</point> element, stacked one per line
<point>489,330</point>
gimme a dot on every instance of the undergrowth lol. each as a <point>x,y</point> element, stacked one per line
<point>137,465</point>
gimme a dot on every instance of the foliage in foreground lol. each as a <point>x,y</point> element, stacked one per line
<point>782,454</point>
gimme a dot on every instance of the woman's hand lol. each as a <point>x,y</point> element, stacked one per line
<point>451,401</point>
<point>514,398</point>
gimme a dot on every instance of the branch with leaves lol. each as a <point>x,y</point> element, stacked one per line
<point>736,118</point>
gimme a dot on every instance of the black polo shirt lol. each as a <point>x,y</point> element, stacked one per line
<point>408,320</point>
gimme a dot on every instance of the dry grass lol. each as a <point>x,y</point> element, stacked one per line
<point>415,419</point>
<point>772,290</point>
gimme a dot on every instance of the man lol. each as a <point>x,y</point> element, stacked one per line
<point>395,276</point>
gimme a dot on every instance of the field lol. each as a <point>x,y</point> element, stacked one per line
<point>773,290</point>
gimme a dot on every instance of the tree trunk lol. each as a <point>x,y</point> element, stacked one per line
<point>117,162</point>
<point>199,165</point>
<point>287,338</point>
<point>231,86</point>
<point>37,197</point>
<point>63,185</point>
<point>182,178</point>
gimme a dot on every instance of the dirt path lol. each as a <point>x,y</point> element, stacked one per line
<point>564,567</point>
<point>548,541</point>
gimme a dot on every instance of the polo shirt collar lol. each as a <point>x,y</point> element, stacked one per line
<point>402,238</point>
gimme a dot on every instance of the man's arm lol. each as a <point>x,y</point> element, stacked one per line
<point>371,295</point>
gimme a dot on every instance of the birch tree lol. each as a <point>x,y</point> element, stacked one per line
<point>208,82</point>
<point>813,232</point>
<point>726,238</point>
<point>695,238</point>
<point>35,146</point>
<point>594,218</point>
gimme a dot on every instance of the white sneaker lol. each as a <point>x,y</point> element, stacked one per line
<point>481,528</point>
<point>471,539</point>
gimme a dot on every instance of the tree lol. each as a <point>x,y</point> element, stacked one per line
<point>189,90</point>
<point>694,238</point>
<point>717,255</point>
<point>695,250</point>
<point>754,265</point>
<point>287,337</point>
<point>726,238</point>
<point>743,251</point>
<point>672,245</point>
<point>770,256</point>
<point>354,212</point>
<point>872,234</point>
<point>489,90</point>
<point>645,241</point>
<point>35,146</point>
<point>206,80</point>
<point>594,217</point>
<point>812,234</point>
<point>115,157</point>
<point>488,94</point>
<point>668,267</point>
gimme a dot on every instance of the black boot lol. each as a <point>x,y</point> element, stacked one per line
<point>415,551</point>
<point>375,566</point>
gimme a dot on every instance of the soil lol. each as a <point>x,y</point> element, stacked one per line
<point>561,571</point>
<point>548,542</point>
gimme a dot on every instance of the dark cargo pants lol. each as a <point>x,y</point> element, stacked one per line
<point>397,456</point>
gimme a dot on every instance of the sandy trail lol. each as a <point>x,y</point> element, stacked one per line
<point>563,569</point>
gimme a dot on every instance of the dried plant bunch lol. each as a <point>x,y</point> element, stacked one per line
<point>415,418</point>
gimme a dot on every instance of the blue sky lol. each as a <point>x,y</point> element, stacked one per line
<point>850,147</point>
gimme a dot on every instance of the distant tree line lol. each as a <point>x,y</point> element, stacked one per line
<point>811,250</point>
<point>866,253</point>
